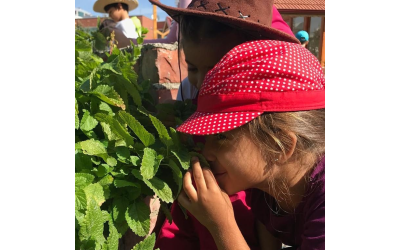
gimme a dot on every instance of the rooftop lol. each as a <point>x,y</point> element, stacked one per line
<point>318,5</point>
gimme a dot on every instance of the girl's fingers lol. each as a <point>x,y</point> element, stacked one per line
<point>198,175</point>
<point>183,199</point>
<point>188,186</point>
<point>209,178</point>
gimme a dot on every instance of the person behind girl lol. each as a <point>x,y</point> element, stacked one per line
<point>205,41</point>
<point>186,89</point>
<point>118,10</point>
<point>270,97</point>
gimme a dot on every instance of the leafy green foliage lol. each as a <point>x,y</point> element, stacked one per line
<point>123,151</point>
<point>146,244</point>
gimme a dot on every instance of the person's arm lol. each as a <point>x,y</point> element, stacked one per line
<point>266,240</point>
<point>211,207</point>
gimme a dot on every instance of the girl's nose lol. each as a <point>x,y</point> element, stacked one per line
<point>208,151</point>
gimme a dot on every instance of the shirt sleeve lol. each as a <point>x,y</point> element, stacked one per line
<point>178,235</point>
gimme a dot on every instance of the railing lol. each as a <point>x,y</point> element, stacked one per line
<point>155,30</point>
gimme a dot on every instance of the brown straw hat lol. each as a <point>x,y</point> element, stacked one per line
<point>251,16</point>
<point>100,4</point>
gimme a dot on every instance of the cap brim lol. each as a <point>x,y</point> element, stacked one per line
<point>202,123</point>
<point>261,30</point>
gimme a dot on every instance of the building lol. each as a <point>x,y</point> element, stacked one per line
<point>308,15</point>
<point>79,13</point>
<point>90,24</point>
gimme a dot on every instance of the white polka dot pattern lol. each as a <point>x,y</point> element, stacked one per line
<point>253,78</point>
<point>266,65</point>
<point>213,123</point>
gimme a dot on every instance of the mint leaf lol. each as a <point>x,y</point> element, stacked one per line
<point>106,180</point>
<point>109,95</point>
<point>111,161</point>
<point>102,170</point>
<point>106,215</point>
<point>123,183</point>
<point>76,115</point>
<point>76,121</point>
<point>159,187</point>
<point>122,153</point>
<point>82,180</point>
<point>162,131</point>
<point>146,244</point>
<point>115,127</point>
<point>183,157</point>
<point>88,122</point>
<point>138,25</point>
<point>135,160</point>
<point>146,138</point>
<point>108,132</point>
<point>95,192</point>
<point>133,91</point>
<point>94,147</point>
<point>175,137</point>
<point>113,65</point>
<point>80,200</point>
<point>177,175</point>
<point>113,238</point>
<point>92,225</point>
<point>166,211</point>
<point>138,218</point>
<point>82,161</point>
<point>119,207</point>
<point>105,107</point>
<point>150,163</point>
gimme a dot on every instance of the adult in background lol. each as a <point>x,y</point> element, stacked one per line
<point>118,10</point>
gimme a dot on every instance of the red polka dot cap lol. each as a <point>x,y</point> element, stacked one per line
<point>253,78</point>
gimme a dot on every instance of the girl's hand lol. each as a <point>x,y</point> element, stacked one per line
<point>209,204</point>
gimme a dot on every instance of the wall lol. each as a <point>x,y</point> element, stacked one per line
<point>160,64</point>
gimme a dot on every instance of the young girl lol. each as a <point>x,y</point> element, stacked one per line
<point>205,41</point>
<point>270,97</point>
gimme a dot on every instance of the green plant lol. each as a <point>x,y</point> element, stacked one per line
<point>123,151</point>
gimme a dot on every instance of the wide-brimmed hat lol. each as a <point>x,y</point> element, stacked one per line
<point>251,16</point>
<point>253,78</point>
<point>100,4</point>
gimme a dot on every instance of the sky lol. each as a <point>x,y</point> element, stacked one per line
<point>145,8</point>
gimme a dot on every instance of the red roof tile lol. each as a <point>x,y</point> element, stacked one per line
<point>300,4</point>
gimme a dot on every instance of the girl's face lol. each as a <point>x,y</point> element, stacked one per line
<point>235,161</point>
<point>201,56</point>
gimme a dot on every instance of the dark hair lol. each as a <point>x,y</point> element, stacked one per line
<point>115,5</point>
<point>195,28</point>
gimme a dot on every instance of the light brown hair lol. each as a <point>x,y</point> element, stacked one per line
<point>270,132</point>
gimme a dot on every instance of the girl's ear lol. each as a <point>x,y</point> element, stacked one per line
<point>290,150</point>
